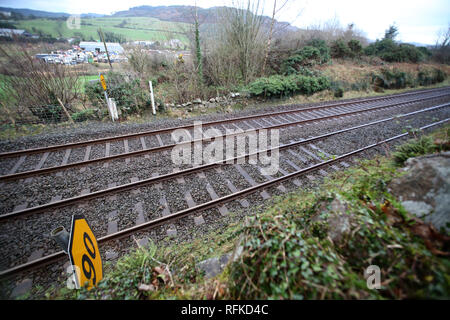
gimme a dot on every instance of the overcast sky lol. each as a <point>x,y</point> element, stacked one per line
<point>418,20</point>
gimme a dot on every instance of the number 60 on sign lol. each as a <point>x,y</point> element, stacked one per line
<point>84,254</point>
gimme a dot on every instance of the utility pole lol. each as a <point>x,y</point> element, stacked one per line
<point>100,32</point>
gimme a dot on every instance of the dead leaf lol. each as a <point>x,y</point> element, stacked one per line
<point>391,213</point>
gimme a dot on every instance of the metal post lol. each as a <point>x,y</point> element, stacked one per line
<point>151,96</point>
<point>61,236</point>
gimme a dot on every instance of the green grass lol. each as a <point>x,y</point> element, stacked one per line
<point>135,28</point>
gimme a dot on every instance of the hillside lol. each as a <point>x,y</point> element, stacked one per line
<point>132,28</point>
<point>138,23</point>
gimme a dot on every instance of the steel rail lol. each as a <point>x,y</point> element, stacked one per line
<point>211,123</point>
<point>201,207</point>
<point>164,177</point>
<point>31,173</point>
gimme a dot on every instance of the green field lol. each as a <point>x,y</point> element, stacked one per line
<point>132,28</point>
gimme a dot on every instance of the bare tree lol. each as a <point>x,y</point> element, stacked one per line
<point>38,86</point>
<point>269,40</point>
<point>441,50</point>
<point>242,32</point>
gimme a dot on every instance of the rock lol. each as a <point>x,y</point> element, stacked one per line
<point>111,255</point>
<point>21,288</point>
<point>424,189</point>
<point>337,219</point>
<point>187,104</point>
<point>212,100</point>
<point>197,101</point>
<point>146,287</point>
<point>214,266</point>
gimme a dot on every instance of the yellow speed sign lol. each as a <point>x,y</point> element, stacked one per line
<point>84,254</point>
<point>103,81</point>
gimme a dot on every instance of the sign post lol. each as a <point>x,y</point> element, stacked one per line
<point>151,96</point>
<point>84,254</point>
<point>108,102</point>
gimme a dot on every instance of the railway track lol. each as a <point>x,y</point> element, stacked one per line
<point>216,201</point>
<point>292,118</point>
<point>17,153</point>
<point>161,178</point>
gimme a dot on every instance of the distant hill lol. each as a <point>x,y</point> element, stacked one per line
<point>36,13</point>
<point>184,14</point>
<point>138,23</point>
<point>164,13</point>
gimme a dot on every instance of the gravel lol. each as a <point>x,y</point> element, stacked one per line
<point>20,238</point>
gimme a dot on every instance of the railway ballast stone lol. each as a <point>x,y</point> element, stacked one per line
<point>425,187</point>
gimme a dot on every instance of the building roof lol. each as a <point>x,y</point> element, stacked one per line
<point>93,46</point>
<point>11,31</point>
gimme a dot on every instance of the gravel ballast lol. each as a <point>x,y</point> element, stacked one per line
<point>25,236</point>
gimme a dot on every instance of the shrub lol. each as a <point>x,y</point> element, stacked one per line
<point>414,148</point>
<point>287,251</point>
<point>324,50</point>
<point>393,79</point>
<point>315,53</point>
<point>390,51</point>
<point>89,114</point>
<point>355,47</point>
<point>126,91</point>
<point>339,49</point>
<point>426,77</point>
<point>307,56</point>
<point>338,92</point>
<point>278,85</point>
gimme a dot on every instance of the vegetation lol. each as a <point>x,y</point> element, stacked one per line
<point>126,90</point>
<point>37,87</point>
<point>241,51</point>
<point>287,85</point>
<point>396,79</point>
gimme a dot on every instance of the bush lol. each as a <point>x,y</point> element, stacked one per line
<point>126,91</point>
<point>355,47</point>
<point>339,49</point>
<point>286,85</point>
<point>338,92</point>
<point>414,148</point>
<point>89,114</point>
<point>324,50</point>
<point>426,77</point>
<point>288,252</point>
<point>396,79</point>
<point>390,51</point>
<point>315,53</point>
<point>307,56</point>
